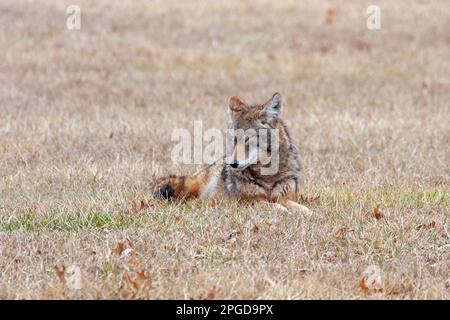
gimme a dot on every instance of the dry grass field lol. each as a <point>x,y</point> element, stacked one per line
<point>85,125</point>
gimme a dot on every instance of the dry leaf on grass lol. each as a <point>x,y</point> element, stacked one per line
<point>256,243</point>
<point>324,49</point>
<point>60,271</point>
<point>377,213</point>
<point>122,251</point>
<point>132,284</point>
<point>399,289</point>
<point>139,207</point>
<point>70,276</point>
<point>120,248</point>
<point>363,45</point>
<point>211,294</point>
<point>426,226</point>
<point>330,16</point>
<point>371,281</point>
<point>123,248</point>
<point>133,258</point>
<point>132,254</point>
<point>341,232</point>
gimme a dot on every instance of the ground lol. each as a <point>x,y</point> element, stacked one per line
<point>86,118</point>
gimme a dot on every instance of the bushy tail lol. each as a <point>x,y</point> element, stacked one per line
<point>182,187</point>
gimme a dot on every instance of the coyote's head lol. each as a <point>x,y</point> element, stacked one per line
<point>253,134</point>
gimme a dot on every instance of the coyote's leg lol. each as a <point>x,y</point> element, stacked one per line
<point>279,207</point>
<point>296,207</point>
<point>284,192</point>
<point>271,206</point>
<point>287,206</point>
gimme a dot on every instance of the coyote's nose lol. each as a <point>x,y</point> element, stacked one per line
<point>234,164</point>
<point>165,191</point>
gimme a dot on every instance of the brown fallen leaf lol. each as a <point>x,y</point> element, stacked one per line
<point>330,16</point>
<point>70,277</point>
<point>127,289</point>
<point>138,207</point>
<point>255,244</point>
<point>144,205</point>
<point>400,289</point>
<point>60,272</point>
<point>142,278</point>
<point>371,281</point>
<point>304,272</point>
<point>120,248</point>
<point>131,282</point>
<point>377,213</point>
<point>133,258</point>
<point>341,232</point>
<point>362,45</point>
<point>126,294</point>
<point>134,206</point>
<point>426,226</point>
<point>131,285</point>
<point>324,49</point>
<point>211,293</point>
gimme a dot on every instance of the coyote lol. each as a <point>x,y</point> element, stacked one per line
<point>242,176</point>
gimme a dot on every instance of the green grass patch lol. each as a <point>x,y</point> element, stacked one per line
<point>29,221</point>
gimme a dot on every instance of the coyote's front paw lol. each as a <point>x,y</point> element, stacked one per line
<point>277,207</point>
<point>283,190</point>
<point>297,207</point>
<point>280,208</point>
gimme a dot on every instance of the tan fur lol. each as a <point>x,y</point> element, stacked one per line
<point>247,184</point>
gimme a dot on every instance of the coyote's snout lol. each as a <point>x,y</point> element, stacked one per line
<point>261,162</point>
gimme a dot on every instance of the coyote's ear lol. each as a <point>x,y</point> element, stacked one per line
<point>236,104</point>
<point>273,107</point>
